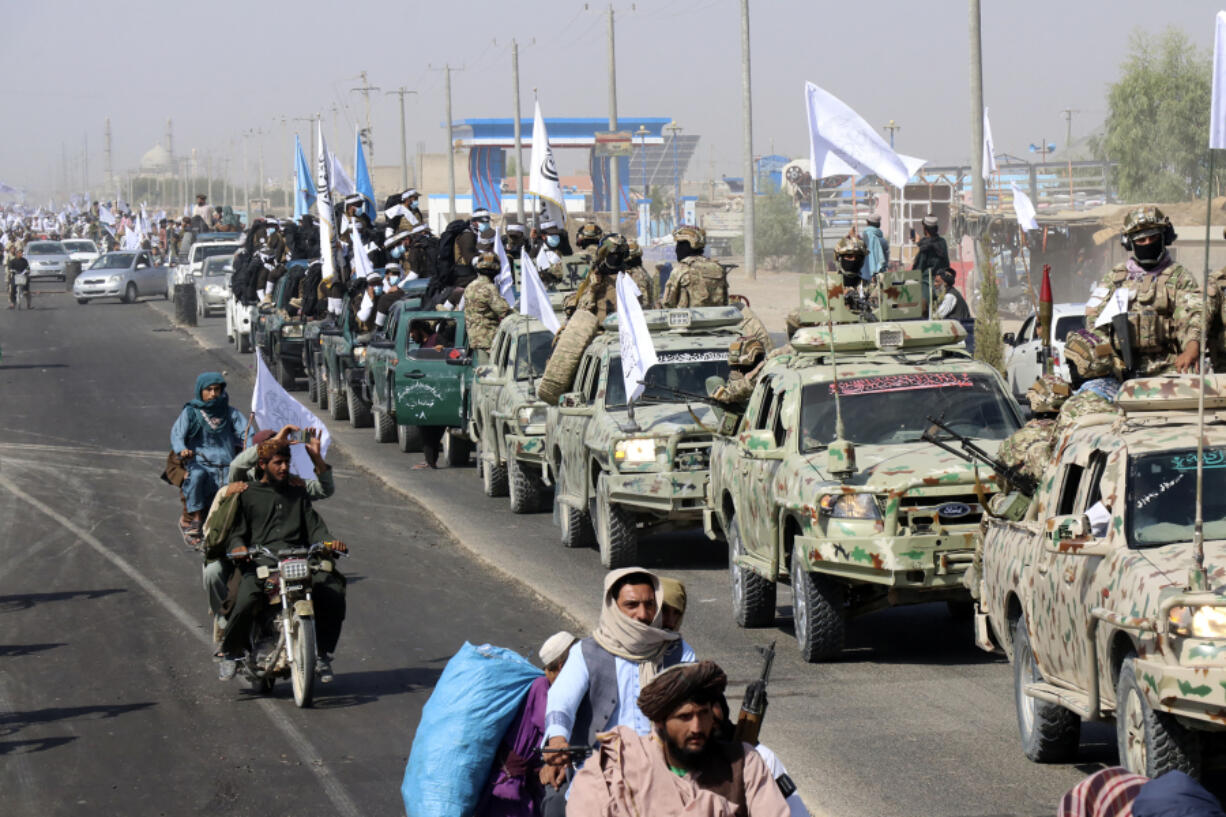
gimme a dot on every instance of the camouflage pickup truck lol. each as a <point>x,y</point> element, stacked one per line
<point>1095,595</point>
<point>507,420</point>
<point>622,472</point>
<point>887,520</point>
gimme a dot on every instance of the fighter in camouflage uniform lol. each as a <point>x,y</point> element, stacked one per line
<point>1029,448</point>
<point>484,306</point>
<point>648,284</point>
<point>696,281</point>
<point>1164,299</point>
<point>598,292</point>
<point>1090,363</point>
<point>1217,318</point>
<point>859,295</point>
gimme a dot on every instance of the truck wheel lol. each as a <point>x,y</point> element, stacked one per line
<point>493,477</point>
<point>384,424</point>
<point>321,386</point>
<point>526,489</point>
<point>338,405</point>
<point>285,375</point>
<point>1151,743</point>
<point>616,532</point>
<point>458,451</point>
<point>818,618</point>
<point>753,597</point>
<point>408,438</point>
<point>1050,733</point>
<point>576,526</point>
<point>312,377</point>
<point>359,410</point>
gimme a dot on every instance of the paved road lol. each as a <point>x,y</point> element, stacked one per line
<point>914,720</point>
<point>109,702</point>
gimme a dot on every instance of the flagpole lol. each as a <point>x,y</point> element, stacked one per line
<point>1197,578</point>
<point>825,273</point>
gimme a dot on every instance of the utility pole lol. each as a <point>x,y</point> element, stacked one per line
<point>310,120</point>
<point>404,155</point>
<point>747,114</point>
<point>370,141</point>
<point>979,194</point>
<point>106,138</point>
<point>519,143</point>
<point>1068,133</point>
<point>260,147</point>
<point>450,152</point>
<point>892,127</point>
<point>614,180</point>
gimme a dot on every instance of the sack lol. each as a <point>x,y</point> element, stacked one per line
<point>563,362</point>
<point>174,473</point>
<point>220,520</point>
<point>461,726</point>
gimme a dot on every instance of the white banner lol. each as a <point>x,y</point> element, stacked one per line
<point>989,149</point>
<point>638,351</point>
<point>544,182</point>
<point>1217,113</point>
<point>842,143</point>
<point>342,185</point>
<point>534,300</point>
<point>275,408</point>
<point>362,267</point>
<point>323,205</point>
<point>1024,209</point>
<point>505,279</point>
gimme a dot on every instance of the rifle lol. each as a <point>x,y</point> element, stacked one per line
<point>970,452</point>
<point>753,708</point>
<point>1123,337</point>
<point>687,396</point>
<point>574,753</point>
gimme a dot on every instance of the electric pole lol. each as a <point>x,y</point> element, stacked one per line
<point>106,138</point>
<point>1068,133</point>
<point>747,114</point>
<point>614,180</point>
<point>979,195</point>
<point>519,143</point>
<point>370,141</point>
<point>404,156</point>
<point>310,120</point>
<point>450,151</point>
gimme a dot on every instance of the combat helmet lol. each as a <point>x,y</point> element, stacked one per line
<point>694,236</point>
<point>746,351</point>
<point>1048,394</point>
<point>588,235</point>
<point>634,253</point>
<point>1147,220</point>
<point>612,248</point>
<point>1089,352</point>
<point>486,262</point>
<point>851,245</point>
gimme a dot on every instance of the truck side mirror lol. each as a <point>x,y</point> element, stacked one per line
<point>1009,338</point>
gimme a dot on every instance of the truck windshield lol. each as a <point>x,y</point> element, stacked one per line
<point>677,371</point>
<point>211,250</point>
<point>893,409</point>
<point>541,344</point>
<point>1162,497</point>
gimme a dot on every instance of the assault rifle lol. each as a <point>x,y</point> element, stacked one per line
<point>970,452</point>
<point>680,394</point>
<point>753,708</point>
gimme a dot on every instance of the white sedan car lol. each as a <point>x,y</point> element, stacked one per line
<point>82,250</point>
<point>1024,351</point>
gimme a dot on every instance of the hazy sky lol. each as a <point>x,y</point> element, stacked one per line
<point>245,65</point>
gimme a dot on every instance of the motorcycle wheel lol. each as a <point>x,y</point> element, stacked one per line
<point>302,671</point>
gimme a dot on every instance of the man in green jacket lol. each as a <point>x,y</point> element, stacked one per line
<point>275,512</point>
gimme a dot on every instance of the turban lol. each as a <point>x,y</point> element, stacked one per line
<point>701,683</point>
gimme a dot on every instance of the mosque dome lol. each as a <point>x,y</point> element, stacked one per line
<point>155,160</point>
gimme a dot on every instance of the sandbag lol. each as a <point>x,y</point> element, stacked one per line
<point>564,361</point>
<point>472,706</point>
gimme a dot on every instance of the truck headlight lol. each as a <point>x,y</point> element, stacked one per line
<point>530,416</point>
<point>638,450</point>
<point>291,330</point>
<point>1198,622</point>
<point>359,355</point>
<point>850,506</point>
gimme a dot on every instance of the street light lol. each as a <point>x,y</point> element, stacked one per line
<point>674,129</point>
<point>642,133</point>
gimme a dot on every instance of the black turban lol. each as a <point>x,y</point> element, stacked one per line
<point>701,683</point>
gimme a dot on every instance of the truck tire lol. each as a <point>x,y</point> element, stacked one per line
<point>753,597</point>
<point>285,375</point>
<point>819,620</point>
<point>384,423</point>
<point>616,533</point>
<point>338,404</point>
<point>408,438</point>
<point>526,490</point>
<point>359,410</point>
<point>493,477</point>
<point>575,524</point>
<point>321,385</point>
<point>1151,743</point>
<point>564,361</point>
<point>312,376</point>
<point>244,342</point>
<point>457,450</point>
<point>1049,732</point>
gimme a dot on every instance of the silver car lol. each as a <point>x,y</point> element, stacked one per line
<point>212,284</point>
<point>81,249</point>
<point>48,259</point>
<point>126,275</point>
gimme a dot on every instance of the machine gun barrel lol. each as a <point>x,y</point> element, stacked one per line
<point>970,452</point>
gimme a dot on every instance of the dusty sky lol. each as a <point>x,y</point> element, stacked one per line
<point>248,65</point>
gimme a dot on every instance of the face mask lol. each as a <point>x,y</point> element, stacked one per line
<point>378,289</point>
<point>412,205</point>
<point>1147,255</point>
<point>271,230</point>
<point>553,240</point>
<point>392,280</point>
<point>397,252</point>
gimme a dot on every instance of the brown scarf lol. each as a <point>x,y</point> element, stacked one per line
<point>616,632</point>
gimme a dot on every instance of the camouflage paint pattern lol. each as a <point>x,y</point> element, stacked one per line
<point>497,398</point>
<point>1165,311</point>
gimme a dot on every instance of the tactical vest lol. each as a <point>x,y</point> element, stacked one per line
<point>1150,311</point>
<point>600,703</point>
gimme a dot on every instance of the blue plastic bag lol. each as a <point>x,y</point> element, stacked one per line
<point>472,706</point>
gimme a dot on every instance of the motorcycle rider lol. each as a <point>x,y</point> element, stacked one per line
<point>206,436</point>
<point>275,512</point>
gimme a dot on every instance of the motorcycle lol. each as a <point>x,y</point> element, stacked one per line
<point>283,633</point>
<point>21,284</point>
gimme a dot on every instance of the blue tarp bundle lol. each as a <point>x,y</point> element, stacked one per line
<point>472,706</point>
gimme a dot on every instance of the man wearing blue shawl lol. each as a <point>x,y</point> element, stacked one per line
<point>206,436</point>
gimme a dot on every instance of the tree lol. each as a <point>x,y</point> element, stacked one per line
<point>1158,119</point>
<point>777,232</point>
<point>988,345</point>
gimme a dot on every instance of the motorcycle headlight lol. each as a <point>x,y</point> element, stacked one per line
<point>637,450</point>
<point>1198,622</point>
<point>359,355</point>
<point>530,416</point>
<point>291,330</point>
<point>850,506</point>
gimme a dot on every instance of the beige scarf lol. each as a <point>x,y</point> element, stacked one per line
<point>616,632</point>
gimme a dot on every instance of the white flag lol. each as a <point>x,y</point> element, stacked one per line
<point>1217,112</point>
<point>1024,209</point>
<point>105,215</point>
<point>989,148</point>
<point>534,300</point>
<point>638,351</point>
<point>342,185</point>
<point>362,268</point>
<point>506,278</point>
<point>275,408</point>
<point>323,205</point>
<point>841,142</point>
<point>544,182</point>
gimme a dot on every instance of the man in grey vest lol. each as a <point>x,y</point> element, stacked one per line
<point>598,687</point>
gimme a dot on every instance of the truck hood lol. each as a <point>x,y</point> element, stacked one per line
<point>882,468</point>
<point>662,420</point>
